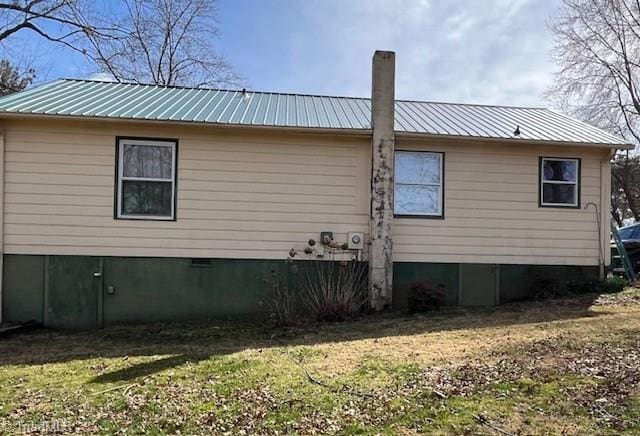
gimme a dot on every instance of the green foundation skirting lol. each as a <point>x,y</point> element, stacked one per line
<point>23,288</point>
<point>84,292</point>
<point>407,273</point>
<point>516,280</point>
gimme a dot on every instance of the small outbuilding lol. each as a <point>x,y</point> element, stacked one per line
<point>126,202</point>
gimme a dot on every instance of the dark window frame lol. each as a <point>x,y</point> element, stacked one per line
<point>578,183</point>
<point>117,185</point>
<point>439,216</point>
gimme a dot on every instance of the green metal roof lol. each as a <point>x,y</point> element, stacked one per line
<point>95,99</point>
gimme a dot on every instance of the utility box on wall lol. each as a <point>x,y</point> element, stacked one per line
<point>355,240</point>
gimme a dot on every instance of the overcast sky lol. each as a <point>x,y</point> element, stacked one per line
<point>476,51</point>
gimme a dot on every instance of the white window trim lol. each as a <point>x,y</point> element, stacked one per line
<point>439,213</point>
<point>158,143</point>
<point>576,183</point>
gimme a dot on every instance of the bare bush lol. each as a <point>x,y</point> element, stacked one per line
<point>333,291</point>
<point>282,303</point>
<point>326,290</point>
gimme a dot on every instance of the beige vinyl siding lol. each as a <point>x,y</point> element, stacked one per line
<point>255,194</point>
<point>491,208</point>
<point>240,194</point>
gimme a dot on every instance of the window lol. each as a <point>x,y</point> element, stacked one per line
<point>559,182</point>
<point>146,180</point>
<point>418,184</point>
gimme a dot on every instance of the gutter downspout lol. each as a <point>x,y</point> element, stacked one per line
<point>382,149</point>
<point>605,210</point>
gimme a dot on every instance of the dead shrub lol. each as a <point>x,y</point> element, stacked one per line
<point>281,305</point>
<point>332,291</point>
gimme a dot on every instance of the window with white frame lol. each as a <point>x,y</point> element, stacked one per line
<point>418,183</point>
<point>146,180</point>
<point>559,182</point>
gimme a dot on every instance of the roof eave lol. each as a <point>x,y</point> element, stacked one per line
<point>293,129</point>
<point>335,131</point>
<point>417,135</point>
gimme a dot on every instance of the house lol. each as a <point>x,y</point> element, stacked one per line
<point>127,202</point>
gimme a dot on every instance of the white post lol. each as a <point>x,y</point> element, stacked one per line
<point>381,219</point>
<point>605,212</point>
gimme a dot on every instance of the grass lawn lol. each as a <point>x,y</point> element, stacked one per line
<point>569,366</point>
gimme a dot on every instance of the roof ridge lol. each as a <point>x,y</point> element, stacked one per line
<point>299,94</point>
<point>250,91</point>
<point>449,103</point>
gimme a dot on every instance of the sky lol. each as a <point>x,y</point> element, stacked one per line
<point>472,51</point>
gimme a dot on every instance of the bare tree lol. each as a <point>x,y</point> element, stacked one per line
<point>12,79</point>
<point>597,49</point>
<point>58,21</point>
<point>625,187</point>
<point>164,42</point>
<point>167,42</point>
